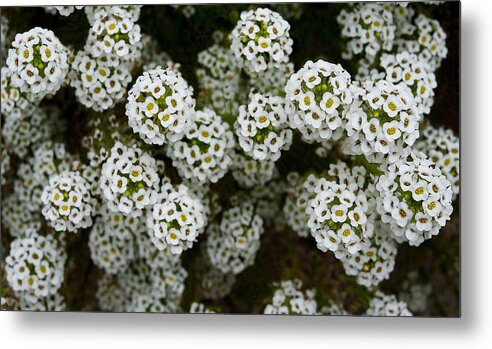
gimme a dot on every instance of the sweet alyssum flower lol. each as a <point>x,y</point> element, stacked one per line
<point>428,41</point>
<point>67,202</point>
<point>272,81</point>
<point>333,308</point>
<point>262,127</point>
<point>443,148</point>
<point>300,191</point>
<point>219,79</point>
<point>175,219</point>
<point>38,62</point>
<point>160,106</point>
<point>415,199</point>
<point>99,82</point>
<point>62,10</point>
<point>406,69</point>
<point>35,267</point>
<point>216,284</point>
<point>24,133</point>
<point>133,11</point>
<point>415,293</point>
<point>375,261</point>
<point>48,159</point>
<point>232,245</point>
<point>317,94</point>
<point>199,308</point>
<point>342,212</point>
<point>16,104</point>
<point>290,299</point>
<point>387,305</point>
<point>261,40</point>
<point>114,31</point>
<point>128,180</point>
<point>249,172</point>
<point>205,152</point>
<point>110,251</point>
<point>370,29</point>
<point>382,123</point>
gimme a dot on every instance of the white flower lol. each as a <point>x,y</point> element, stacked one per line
<point>375,260</point>
<point>176,219</point>
<point>249,172</point>
<point>160,106</point>
<point>290,299</point>
<point>426,39</point>
<point>35,267</point>
<point>99,82</point>
<point>261,41</point>
<point>390,121</point>
<point>232,245</point>
<point>125,191</point>
<point>206,150</point>
<point>67,202</point>
<point>114,32</point>
<point>387,305</point>
<point>370,28</point>
<point>442,147</point>
<point>415,199</point>
<point>315,107</point>
<point>262,127</point>
<point>38,62</point>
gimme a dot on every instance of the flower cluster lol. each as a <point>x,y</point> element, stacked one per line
<point>415,199</point>
<point>4,33</point>
<point>219,79</point>
<point>249,172</point>
<point>62,10</point>
<point>290,299</point>
<point>5,164</point>
<point>128,178</point>
<point>232,246</point>
<point>23,134</point>
<point>109,250</point>
<point>261,40</point>
<point>160,106</point>
<point>114,31</point>
<point>48,159</point>
<point>443,149</point>
<point>272,82</point>
<point>429,42</point>
<point>370,29</point>
<point>99,82</point>
<point>387,305</point>
<point>176,218</point>
<point>342,212</point>
<point>333,308</point>
<point>35,267</point>
<point>132,10</point>
<point>415,293</point>
<point>300,192</point>
<point>319,92</point>
<point>199,308</point>
<point>67,202</point>
<point>382,123</point>
<point>375,260</point>
<point>216,284</point>
<point>262,127</point>
<point>205,152</point>
<point>406,69</point>
<point>15,104</point>
<point>38,62</point>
